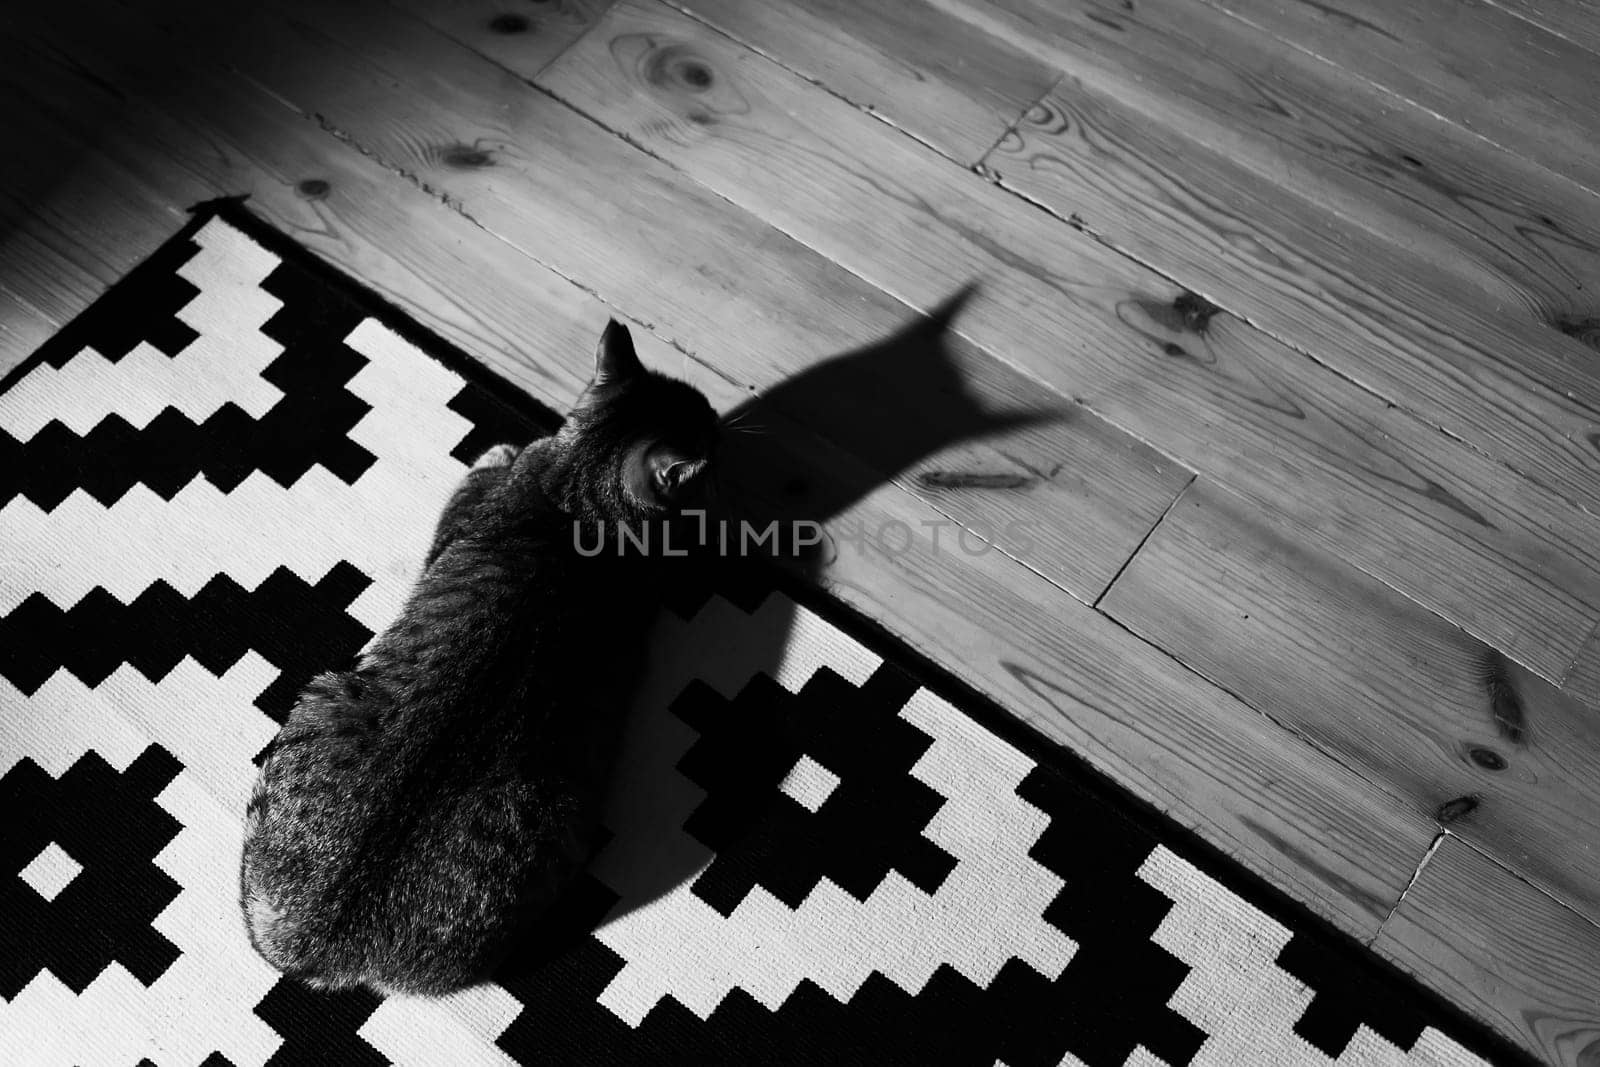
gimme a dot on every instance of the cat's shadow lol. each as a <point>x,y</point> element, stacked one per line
<point>879,412</point>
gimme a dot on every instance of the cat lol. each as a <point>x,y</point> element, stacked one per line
<point>415,811</point>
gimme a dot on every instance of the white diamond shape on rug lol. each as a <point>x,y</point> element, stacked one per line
<point>50,871</point>
<point>809,784</point>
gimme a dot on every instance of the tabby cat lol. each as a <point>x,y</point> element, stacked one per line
<point>414,811</point>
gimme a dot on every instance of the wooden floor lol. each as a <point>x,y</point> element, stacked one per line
<point>1300,542</point>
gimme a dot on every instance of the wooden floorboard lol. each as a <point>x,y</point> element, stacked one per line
<point>1446,724</point>
<point>1454,279</point>
<point>41,278</point>
<point>922,69</point>
<point>767,213</point>
<point>1452,529</point>
<point>1197,76</point>
<point>1576,20</point>
<point>1527,965</point>
<point>224,139</point>
<point>71,223</point>
<point>1345,143</point>
<point>1492,72</point>
<point>524,38</point>
<point>23,328</point>
<point>1583,677</point>
<point>1382,313</point>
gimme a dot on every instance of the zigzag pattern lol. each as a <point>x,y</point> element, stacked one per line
<point>301,629</point>
<point>143,306</point>
<point>309,425</point>
<point>172,450</point>
<point>493,422</point>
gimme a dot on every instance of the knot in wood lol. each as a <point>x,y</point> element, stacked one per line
<point>1451,810</point>
<point>465,157</point>
<point>695,74</point>
<point>509,23</point>
<point>1487,758</point>
<point>1195,311</point>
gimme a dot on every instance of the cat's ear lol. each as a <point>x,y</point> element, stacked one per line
<point>673,475</point>
<point>614,357</point>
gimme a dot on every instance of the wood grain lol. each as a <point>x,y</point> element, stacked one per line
<point>71,222</point>
<point>1282,809</point>
<point>1444,723</point>
<point>1576,20</point>
<point>1379,312</point>
<point>38,275</point>
<point>1428,196</point>
<point>922,69</point>
<point>189,134</point>
<point>1583,676</point>
<point>60,189</point>
<point>1526,237</point>
<point>1456,280</point>
<point>1449,527</point>
<point>1503,950</point>
<point>23,328</point>
<point>520,35</point>
<point>1493,73</point>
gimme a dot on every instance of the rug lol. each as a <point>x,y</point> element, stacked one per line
<point>220,480</point>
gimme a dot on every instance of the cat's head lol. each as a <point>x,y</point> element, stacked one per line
<point>643,442</point>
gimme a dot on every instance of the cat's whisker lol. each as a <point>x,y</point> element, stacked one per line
<point>738,424</point>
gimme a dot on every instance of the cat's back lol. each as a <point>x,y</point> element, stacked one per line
<point>407,809</point>
<point>312,802</point>
<point>360,867</point>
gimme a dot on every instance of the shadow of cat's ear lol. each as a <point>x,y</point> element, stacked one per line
<point>948,310</point>
<point>941,321</point>
<point>615,359</point>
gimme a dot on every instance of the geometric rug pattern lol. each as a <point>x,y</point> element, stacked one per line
<point>221,480</point>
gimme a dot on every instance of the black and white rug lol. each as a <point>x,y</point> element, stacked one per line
<point>221,480</point>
